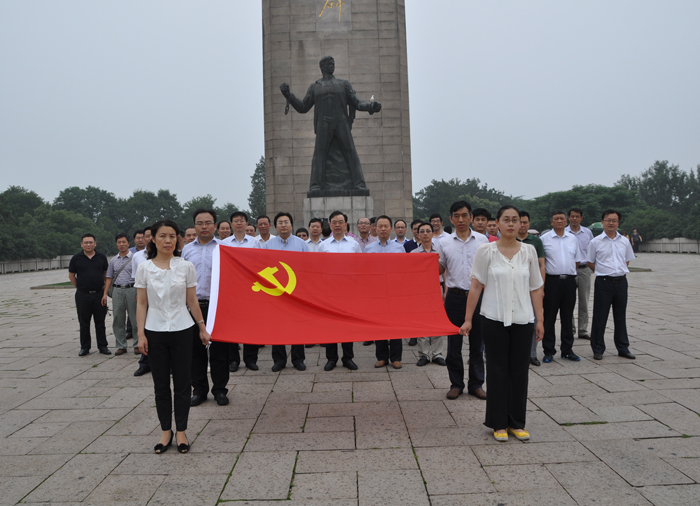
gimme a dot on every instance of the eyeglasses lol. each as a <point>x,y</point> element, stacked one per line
<point>283,222</point>
<point>340,222</point>
<point>611,221</point>
<point>514,221</point>
<point>207,223</point>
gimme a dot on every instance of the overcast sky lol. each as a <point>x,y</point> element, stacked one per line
<point>530,96</point>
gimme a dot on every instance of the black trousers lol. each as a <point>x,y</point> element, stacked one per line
<point>608,292</point>
<point>456,308</point>
<point>217,359</point>
<point>332,352</point>
<point>279,354</point>
<point>250,354</point>
<point>171,351</point>
<point>89,306</point>
<point>508,358</point>
<point>559,297</point>
<point>389,350</point>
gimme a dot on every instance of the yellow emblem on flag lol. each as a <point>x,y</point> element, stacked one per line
<point>268,273</point>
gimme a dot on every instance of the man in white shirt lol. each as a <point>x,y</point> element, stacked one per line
<point>390,350</point>
<point>456,256</point>
<point>562,256</point>
<point>400,229</point>
<point>239,239</point>
<point>609,256</point>
<point>583,280</point>
<point>264,234</point>
<point>190,235</point>
<point>284,223</point>
<point>199,252</point>
<point>436,223</point>
<point>315,237</point>
<point>136,259</point>
<point>363,228</point>
<point>339,243</point>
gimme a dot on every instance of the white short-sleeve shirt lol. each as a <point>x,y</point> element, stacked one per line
<point>507,283</point>
<point>610,256</point>
<point>167,294</point>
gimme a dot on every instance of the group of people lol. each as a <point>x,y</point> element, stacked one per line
<point>502,286</point>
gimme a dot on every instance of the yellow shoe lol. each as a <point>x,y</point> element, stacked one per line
<point>500,436</point>
<point>520,434</point>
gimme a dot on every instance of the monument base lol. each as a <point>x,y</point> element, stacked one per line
<point>354,207</point>
<point>337,193</point>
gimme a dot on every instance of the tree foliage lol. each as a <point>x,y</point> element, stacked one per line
<point>257,201</point>
<point>665,186</point>
<point>438,196</point>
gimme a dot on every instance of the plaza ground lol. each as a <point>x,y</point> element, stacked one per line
<point>82,430</point>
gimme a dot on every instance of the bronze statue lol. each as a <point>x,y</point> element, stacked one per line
<point>335,164</point>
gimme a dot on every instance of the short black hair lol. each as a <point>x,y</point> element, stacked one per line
<point>87,235</point>
<point>316,220</point>
<point>151,250</point>
<point>554,213</point>
<point>422,223</point>
<point>222,221</point>
<point>447,229</point>
<point>257,220</point>
<point>372,220</point>
<point>481,211</point>
<point>201,210</point>
<point>236,214</point>
<point>434,216</point>
<point>611,211</point>
<point>404,222</point>
<point>459,205</point>
<point>139,231</point>
<point>525,214</point>
<point>282,214</point>
<point>491,218</point>
<point>504,209</point>
<point>326,230</point>
<point>413,223</point>
<point>385,217</point>
<point>302,230</point>
<point>334,214</point>
<point>575,210</point>
<point>120,235</point>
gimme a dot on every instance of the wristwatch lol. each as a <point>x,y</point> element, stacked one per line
<point>200,321</point>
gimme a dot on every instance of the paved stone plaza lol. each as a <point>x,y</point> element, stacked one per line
<point>82,430</point>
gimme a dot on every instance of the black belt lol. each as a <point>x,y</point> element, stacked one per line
<point>124,286</point>
<point>89,292</point>
<point>583,266</point>
<point>203,302</point>
<point>614,279</point>
<point>458,291</point>
<point>561,276</point>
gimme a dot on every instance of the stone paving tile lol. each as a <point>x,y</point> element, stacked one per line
<point>672,495</point>
<point>330,424</point>
<point>636,465</point>
<point>364,391</point>
<point>428,414</point>
<point>84,415</point>
<point>261,475</point>
<point>438,467</point>
<point>594,483</point>
<point>532,453</point>
<point>76,479</point>
<point>40,429</point>
<point>688,398</point>
<point>621,399</point>
<point>675,416</point>
<point>173,462</point>
<point>558,497</point>
<point>406,488</point>
<point>688,466</point>
<point>621,430</point>
<point>118,489</point>
<point>521,477</point>
<point>621,413</point>
<point>282,418</point>
<point>612,382</point>
<point>300,441</point>
<point>73,439</point>
<point>330,486</point>
<point>355,460</point>
<point>185,490</point>
<point>223,436</point>
<point>15,488</point>
<point>565,410</point>
<point>32,465</point>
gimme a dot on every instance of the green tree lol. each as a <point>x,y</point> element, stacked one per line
<point>144,208</point>
<point>205,201</point>
<point>257,201</point>
<point>91,202</point>
<point>19,200</point>
<point>438,196</point>
<point>665,186</point>
<point>227,210</point>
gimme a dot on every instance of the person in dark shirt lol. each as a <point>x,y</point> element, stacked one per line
<point>87,271</point>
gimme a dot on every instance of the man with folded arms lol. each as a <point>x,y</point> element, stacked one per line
<point>562,255</point>
<point>456,256</point>
<point>285,241</point>
<point>124,294</point>
<point>609,256</point>
<point>340,243</point>
<point>239,239</point>
<point>386,350</point>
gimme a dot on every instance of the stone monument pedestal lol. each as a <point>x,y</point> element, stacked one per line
<point>355,207</point>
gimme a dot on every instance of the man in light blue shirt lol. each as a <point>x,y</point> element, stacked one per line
<point>386,350</point>
<point>285,241</point>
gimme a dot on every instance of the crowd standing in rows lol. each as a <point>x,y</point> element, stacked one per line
<point>501,285</point>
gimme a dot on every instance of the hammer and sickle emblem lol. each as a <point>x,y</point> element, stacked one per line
<point>268,273</point>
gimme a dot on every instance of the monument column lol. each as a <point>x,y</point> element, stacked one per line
<point>367,39</point>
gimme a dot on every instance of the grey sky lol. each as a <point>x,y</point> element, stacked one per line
<point>530,96</point>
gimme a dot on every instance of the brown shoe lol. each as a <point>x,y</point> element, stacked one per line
<point>380,363</point>
<point>396,365</point>
<point>454,393</point>
<point>479,392</point>
<point>120,351</point>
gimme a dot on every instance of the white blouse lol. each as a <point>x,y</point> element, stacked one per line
<point>167,294</point>
<point>507,283</point>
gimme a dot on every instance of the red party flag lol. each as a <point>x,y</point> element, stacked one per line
<point>285,297</point>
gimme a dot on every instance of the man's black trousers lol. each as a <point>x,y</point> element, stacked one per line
<point>218,360</point>
<point>610,291</point>
<point>559,297</point>
<point>89,306</point>
<point>456,307</point>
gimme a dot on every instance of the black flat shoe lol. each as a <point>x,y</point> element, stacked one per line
<point>142,370</point>
<point>440,361</point>
<point>83,352</point>
<point>161,448</point>
<point>349,364</point>
<point>183,447</point>
<point>252,367</point>
<point>197,399</point>
<point>233,366</point>
<point>626,355</point>
<point>300,366</point>
<point>105,351</point>
<point>330,365</point>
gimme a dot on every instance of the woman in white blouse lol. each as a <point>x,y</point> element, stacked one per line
<point>508,273</point>
<point>165,287</point>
